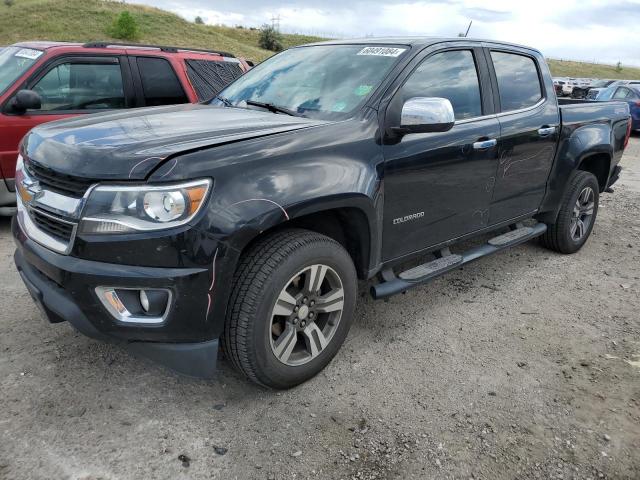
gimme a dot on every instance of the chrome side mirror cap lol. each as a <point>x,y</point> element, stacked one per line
<point>427,114</point>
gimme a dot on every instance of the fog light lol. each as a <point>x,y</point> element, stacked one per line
<point>144,300</point>
<point>133,305</point>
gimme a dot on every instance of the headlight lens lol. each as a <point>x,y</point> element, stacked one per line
<point>114,209</point>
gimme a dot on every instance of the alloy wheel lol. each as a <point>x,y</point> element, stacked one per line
<point>306,315</point>
<point>583,212</point>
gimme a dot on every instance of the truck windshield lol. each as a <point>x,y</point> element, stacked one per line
<point>14,61</point>
<point>324,81</point>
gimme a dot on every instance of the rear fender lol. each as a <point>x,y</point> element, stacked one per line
<point>576,145</point>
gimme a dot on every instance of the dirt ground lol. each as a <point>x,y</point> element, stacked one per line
<point>523,365</point>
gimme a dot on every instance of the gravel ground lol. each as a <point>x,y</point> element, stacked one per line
<point>523,365</point>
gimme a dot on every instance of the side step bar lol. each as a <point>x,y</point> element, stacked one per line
<point>447,261</point>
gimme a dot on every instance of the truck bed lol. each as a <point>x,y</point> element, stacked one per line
<point>575,112</point>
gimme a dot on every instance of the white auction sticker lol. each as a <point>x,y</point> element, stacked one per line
<point>382,51</point>
<point>28,53</point>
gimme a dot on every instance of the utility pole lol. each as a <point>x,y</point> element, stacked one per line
<point>275,22</point>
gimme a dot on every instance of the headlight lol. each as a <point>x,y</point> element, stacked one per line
<point>142,208</point>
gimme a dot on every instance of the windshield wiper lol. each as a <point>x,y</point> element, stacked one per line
<point>227,102</point>
<point>272,108</point>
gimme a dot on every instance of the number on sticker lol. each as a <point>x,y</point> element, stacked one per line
<point>382,51</point>
<point>28,53</point>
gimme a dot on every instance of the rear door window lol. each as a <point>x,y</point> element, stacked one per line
<point>160,84</point>
<point>451,75</point>
<point>622,93</point>
<point>518,80</point>
<point>81,86</point>
<point>209,77</point>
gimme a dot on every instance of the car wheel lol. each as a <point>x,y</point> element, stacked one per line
<point>578,210</point>
<point>294,293</point>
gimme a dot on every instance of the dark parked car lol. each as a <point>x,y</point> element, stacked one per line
<point>629,93</point>
<point>247,223</point>
<point>45,81</point>
<point>583,92</point>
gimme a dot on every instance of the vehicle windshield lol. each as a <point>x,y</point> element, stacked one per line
<point>325,81</point>
<point>14,61</point>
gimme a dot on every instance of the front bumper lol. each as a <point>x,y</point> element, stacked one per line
<point>64,288</point>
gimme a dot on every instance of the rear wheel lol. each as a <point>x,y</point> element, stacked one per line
<point>291,308</point>
<point>577,214</point>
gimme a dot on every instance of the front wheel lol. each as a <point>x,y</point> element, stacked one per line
<point>293,298</point>
<point>578,210</point>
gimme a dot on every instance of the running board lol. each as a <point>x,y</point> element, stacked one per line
<point>421,274</point>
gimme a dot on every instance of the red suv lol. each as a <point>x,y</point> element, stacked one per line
<point>45,81</point>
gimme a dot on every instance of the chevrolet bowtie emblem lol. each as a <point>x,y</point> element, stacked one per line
<point>29,190</point>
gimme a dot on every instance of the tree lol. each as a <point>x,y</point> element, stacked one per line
<point>270,38</point>
<point>199,20</point>
<point>125,27</point>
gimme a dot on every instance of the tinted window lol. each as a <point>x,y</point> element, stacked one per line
<point>209,77</point>
<point>518,80</point>
<point>81,86</point>
<point>450,75</point>
<point>159,82</point>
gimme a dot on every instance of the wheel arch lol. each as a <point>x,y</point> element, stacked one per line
<point>599,164</point>
<point>349,224</point>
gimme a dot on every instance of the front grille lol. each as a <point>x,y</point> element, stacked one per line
<point>58,182</point>
<point>52,225</point>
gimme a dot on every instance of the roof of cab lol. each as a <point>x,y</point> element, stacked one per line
<point>415,41</point>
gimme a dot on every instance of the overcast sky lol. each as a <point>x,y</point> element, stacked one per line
<point>587,30</point>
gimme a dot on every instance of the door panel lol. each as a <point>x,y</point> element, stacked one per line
<point>443,181</point>
<point>529,123</point>
<point>438,186</point>
<point>527,148</point>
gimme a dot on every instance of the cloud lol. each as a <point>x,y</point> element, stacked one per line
<point>588,30</point>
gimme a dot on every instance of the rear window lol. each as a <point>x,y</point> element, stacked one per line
<point>518,80</point>
<point>210,77</point>
<point>159,82</point>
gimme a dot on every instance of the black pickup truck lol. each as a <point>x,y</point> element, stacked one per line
<point>246,223</point>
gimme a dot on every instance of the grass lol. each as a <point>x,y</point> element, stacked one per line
<point>86,20</point>
<point>566,68</point>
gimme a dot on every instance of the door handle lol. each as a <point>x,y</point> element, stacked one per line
<point>546,131</point>
<point>485,144</point>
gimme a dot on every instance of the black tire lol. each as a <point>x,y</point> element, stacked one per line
<point>559,235</point>
<point>263,272</point>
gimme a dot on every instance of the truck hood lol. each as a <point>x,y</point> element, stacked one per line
<point>130,144</point>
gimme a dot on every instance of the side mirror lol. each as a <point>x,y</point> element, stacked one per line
<point>427,114</point>
<point>25,100</point>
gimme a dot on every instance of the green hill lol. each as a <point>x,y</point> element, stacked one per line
<point>566,68</point>
<point>85,20</point>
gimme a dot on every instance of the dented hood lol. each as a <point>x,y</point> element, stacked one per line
<point>130,144</point>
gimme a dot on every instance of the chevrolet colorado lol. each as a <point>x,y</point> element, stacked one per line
<point>246,223</point>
